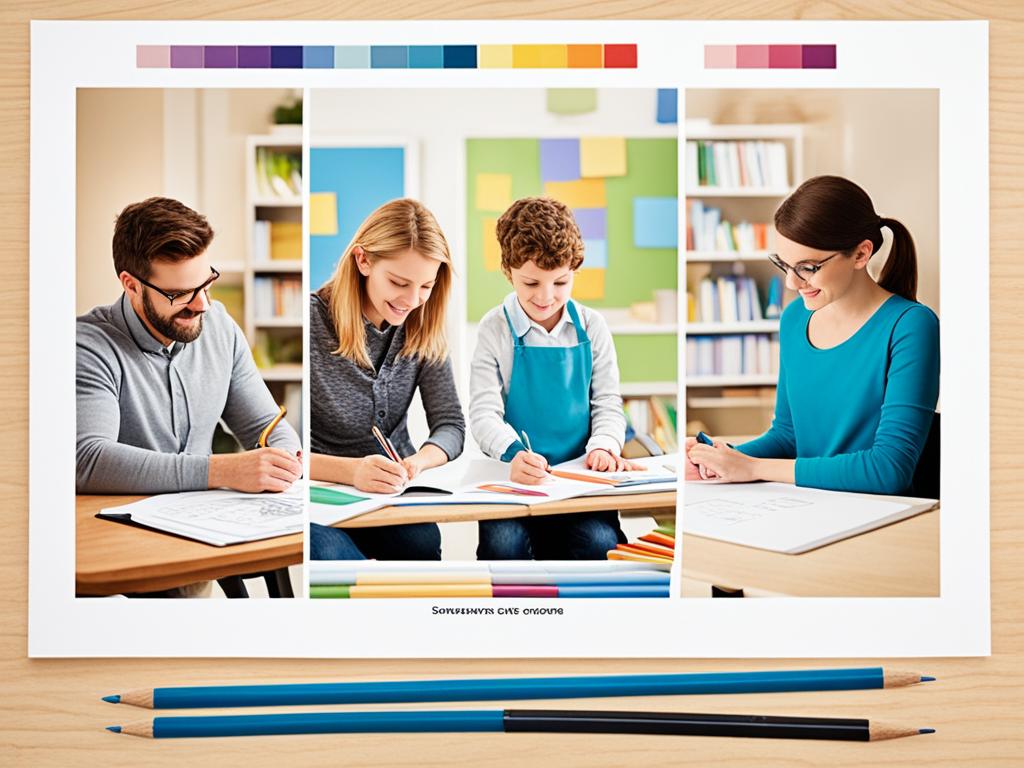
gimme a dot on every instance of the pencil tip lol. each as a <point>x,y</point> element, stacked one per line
<point>114,728</point>
<point>926,730</point>
<point>927,679</point>
<point>113,699</point>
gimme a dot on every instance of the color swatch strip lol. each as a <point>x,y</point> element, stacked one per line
<point>557,56</point>
<point>769,57</point>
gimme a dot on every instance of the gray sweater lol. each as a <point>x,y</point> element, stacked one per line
<point>346,400</point>
<point>146,414</point>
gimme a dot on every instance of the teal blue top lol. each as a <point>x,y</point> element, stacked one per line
<point>856,416</point>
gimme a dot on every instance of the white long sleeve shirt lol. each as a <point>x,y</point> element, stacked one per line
<point>491,373</point>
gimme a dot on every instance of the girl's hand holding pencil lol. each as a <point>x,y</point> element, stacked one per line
<point>377,474</point>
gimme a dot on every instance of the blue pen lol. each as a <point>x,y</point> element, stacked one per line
<point>703,438</point>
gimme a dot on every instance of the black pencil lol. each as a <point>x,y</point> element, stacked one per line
<point>520,721</point>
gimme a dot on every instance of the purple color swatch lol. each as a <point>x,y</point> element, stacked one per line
<point>593,222</point>
<point>559,159</point>
<point>220,57</point>
<point>286,57</point>
<point>254,57</point>
<point>187,56</point>
<point>819,57</point>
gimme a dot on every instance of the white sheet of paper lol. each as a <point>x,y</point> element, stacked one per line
<point>786,518</point>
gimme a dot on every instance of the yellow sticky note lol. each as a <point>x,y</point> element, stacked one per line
<point>602,157</point>
<point>588,284</point>
<point>323,213</point>
<point>585,193</point>
<point>492,249</point>
<point>493,191</point>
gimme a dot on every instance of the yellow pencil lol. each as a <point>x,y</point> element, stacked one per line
<point>265,434</point>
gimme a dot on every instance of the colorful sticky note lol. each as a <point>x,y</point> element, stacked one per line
<point>588,284</point>
<point>601,157</point>
<point>595,254</point>
<point>559,159</point>
<point>668,106</point>
<point>585,193</point>
<point>572,101</point>
<point>323,213</point>
<point>655,222</point>
<point>495,56</point>
<point>493,191</point>
<point>593,222</point>
<point>492,249</point>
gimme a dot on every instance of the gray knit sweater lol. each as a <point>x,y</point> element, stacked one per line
<point>346,400</point>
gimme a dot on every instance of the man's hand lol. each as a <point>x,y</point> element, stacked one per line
<point>263,469</point>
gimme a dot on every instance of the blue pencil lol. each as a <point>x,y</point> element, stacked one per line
<point>520,720</point>
<point>493,689</point>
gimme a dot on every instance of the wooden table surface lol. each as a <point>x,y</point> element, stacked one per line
<point>111,557</point>
<point>455,513</point>
<point>51,715</point>
<point>897,560</point>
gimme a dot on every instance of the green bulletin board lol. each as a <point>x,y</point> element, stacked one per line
<point>632,273</point>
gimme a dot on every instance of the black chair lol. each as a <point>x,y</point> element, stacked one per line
<point>926,475</point>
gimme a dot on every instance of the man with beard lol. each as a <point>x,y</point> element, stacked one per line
<point>158,368</point>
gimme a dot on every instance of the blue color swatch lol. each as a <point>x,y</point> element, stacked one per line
<point>655,222</point>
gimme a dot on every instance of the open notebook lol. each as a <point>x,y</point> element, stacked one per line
<point>786,518</point>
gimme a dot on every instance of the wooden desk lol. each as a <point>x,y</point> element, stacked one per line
<point>897,560</point>
<point>457,513</point>
<point>111,557</point>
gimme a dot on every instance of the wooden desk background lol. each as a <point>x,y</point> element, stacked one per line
<point>50,713</point>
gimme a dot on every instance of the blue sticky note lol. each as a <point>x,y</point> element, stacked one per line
<point>668,106</point>
<point>595,254</point>
<point>559,159</point>
<point>593,222</point>
<point>655,222</point>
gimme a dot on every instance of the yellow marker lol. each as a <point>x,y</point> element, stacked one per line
<point>262,442</point>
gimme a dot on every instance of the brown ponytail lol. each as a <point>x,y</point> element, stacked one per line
<point>830,213</point>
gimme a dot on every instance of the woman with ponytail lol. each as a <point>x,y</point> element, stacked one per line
<point>859,369</point>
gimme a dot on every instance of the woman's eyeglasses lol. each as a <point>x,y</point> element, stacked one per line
<point>805,270</point>
<point>180,298</point>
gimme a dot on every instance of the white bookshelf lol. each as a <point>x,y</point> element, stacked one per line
<point>754,204</point>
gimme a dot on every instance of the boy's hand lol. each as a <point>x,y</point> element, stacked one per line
<point>377,474</point>
<point>603,460</point>
<point>528,468</point>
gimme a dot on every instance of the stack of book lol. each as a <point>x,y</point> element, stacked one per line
<point>706,230</point>
<point>736,164</point>
<point>276,241</point>
<point>658,546</point>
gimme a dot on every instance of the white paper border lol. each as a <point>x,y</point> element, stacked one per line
<point>950,56</point>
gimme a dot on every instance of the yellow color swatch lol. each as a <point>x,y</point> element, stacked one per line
<point>493,191</point>
<point>492,249</point>
<point>540,57</point>
<point>323,213</point>
<point>495,56</point>
<point>585,193</point>
<point>422,590</point>
<point>588,284</point>
<point>602,157</point>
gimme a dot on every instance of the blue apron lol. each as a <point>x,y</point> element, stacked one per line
<point>549,394</point>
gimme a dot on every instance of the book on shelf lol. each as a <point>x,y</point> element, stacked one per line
<point>736,164</point>
<point>278,172</point>
<point>276,241</point>
<point>706,230</point>
<point>746,354</point>
<point>727,299</point>
<point>655,417</point>
<point>233,299</point>
<point>278,297</point>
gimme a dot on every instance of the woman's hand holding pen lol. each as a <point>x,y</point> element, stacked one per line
<point>528,468</point>
<point>377,474</point>
<point>721,461</point>
<point>692,470</point>
<point>603,460</point>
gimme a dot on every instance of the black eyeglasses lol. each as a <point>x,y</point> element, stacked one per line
<point>804,270</point>
<point>180,298</point>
